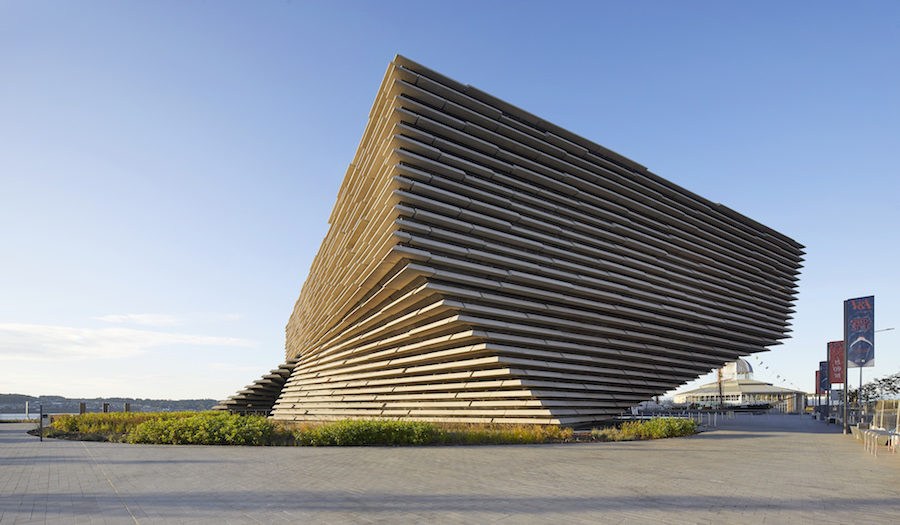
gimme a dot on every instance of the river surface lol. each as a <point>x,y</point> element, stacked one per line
<point>17,416</point>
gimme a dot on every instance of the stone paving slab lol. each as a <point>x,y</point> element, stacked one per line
<point>765,469</point>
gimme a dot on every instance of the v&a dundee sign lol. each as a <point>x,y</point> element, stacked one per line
<point>859,327</point>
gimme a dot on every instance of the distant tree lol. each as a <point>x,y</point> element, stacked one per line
<point>880,388</point>
<point>888,386</point>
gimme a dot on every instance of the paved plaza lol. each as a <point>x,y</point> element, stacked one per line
<point>761,469</point>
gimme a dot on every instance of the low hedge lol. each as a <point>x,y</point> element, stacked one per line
<point>209,428</point>
<point>223,428</point>
<point>369,432</point>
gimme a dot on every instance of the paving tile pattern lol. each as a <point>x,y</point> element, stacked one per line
<point>766,469</point>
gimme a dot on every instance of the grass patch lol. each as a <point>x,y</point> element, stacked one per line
<point>111,422</point>
<point>649,429</point>
<point>608,434</point>
<point>502,434</point>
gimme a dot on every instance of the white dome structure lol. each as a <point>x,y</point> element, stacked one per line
<point>739,369</point>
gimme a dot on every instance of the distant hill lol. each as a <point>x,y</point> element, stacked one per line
<point>13,403</point>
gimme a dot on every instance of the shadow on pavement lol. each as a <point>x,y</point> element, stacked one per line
<point>719,434</point>
<point>17,434</point>
<point>67,458</point>
<point>777,423</point>
<point>174,505</point>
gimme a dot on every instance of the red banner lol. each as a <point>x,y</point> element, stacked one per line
<point>836,362</point>
<point>818,384</point>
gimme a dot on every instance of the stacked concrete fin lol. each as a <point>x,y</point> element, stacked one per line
<point>259,397</point>
<point>484,265</point>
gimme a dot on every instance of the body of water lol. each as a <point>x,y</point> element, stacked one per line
<point>20,415</point>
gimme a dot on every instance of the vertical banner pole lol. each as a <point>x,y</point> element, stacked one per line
<point>818,396</point>
<point>859,397</point>
<point>846,369</point>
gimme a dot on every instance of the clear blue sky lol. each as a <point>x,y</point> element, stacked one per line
<point>167,168</point>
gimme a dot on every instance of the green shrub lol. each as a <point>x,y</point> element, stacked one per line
<point>209,428</point>
<point>607,434</point>
<point>368,432</point>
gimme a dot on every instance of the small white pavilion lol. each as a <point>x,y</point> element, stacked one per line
<point>740,389</point>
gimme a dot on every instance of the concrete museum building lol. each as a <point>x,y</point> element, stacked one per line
<point>484,265</point>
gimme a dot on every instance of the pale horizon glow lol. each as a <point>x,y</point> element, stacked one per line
<point>66,343</point>
<point>167,169</point>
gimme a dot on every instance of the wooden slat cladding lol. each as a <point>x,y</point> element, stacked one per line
<point>259,397</point>
<point>485,265</point>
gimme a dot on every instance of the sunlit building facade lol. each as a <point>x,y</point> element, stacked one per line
<point>485,265</point>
